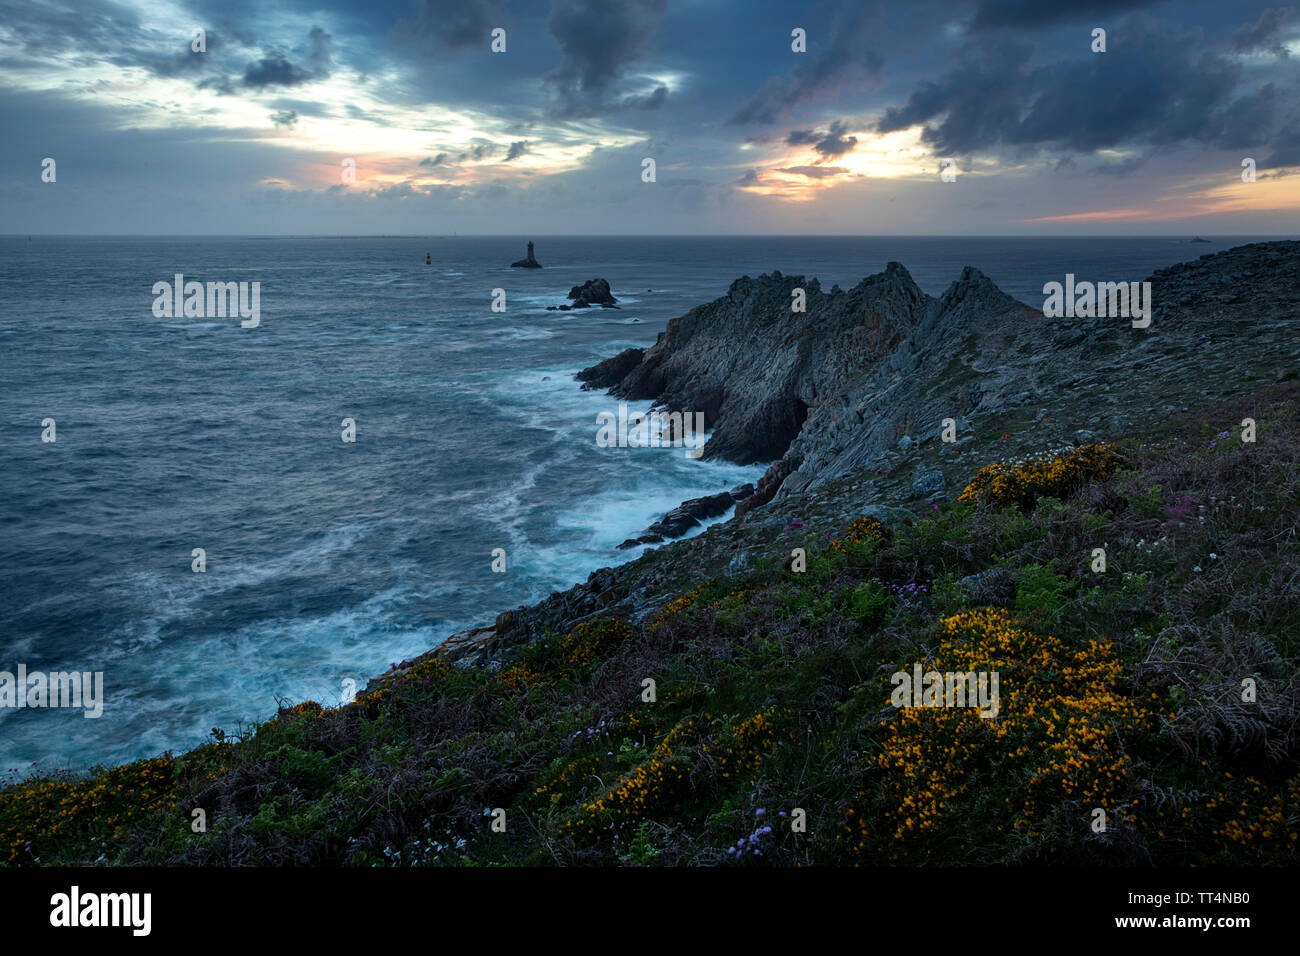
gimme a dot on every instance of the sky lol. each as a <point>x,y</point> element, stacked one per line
<point>844,117</point>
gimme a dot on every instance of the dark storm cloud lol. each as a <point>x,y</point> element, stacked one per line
<point>275,68</point>
<point>1167,90</point>
<point>1034,14</point>
<point>1264,33</point>
<point>452,24</point>
<point>599,40</point>
<point>1286,146</point>
<point>850,54</point>
<point>1250,119</point>
<point>828,143</point>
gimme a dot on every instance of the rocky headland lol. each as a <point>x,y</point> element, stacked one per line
<point>846,399</point>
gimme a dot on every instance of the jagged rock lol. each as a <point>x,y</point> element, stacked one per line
<point>688,514</point>
<point>528,262</point>
<point>611,371</point>
<point>823,394</point>
<point>466,643</point>
<point>768,486</point>
<point>592,292</point>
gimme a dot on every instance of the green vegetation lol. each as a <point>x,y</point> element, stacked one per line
<point>1120,690</point>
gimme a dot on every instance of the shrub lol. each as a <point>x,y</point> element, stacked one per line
<point>1056,473</point>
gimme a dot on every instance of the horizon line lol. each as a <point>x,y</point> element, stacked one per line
<point>646,235</point>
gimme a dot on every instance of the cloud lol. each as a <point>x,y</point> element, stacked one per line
<point>1286,146</point>
<point>850,55</point>
<point>516,150</point>
<point>286,119</point>
<point>650,101</point>
<point>188,62</point>
<point>479,151</point>
<point>451,24</point>
<point>319,53</point>
<point>275,68</point>
<point>432,161</point>
<point>814,172</point>
<point>830,143</point>
<point>1264,33</point>
<point>600,39</point>
<point>1168,90</point>
<point>1034,14</point>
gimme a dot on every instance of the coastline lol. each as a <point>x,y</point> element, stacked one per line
<point>908,467</point>
<point>658,712</point>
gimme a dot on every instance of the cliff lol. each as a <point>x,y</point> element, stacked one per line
<point>831,391</point>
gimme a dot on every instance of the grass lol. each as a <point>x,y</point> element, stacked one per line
<point>770,739</point>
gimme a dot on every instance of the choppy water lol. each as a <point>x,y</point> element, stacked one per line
<point>328,560</point>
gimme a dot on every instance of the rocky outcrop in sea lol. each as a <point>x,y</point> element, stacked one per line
<point>688,515</point>
<point>592,292</point>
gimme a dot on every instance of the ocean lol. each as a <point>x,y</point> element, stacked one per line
<point>326,560</point>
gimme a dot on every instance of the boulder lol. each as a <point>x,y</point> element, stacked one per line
<point>592,292</point>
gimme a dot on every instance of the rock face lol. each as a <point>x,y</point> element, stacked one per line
<point>528,261</point>
<point>592,292</point>
<point>610,372</point>
<point>688,514</point>
<point>762,374</point>
<point>866,377</point>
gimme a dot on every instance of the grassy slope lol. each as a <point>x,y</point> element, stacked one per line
<point>1120,690</point>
